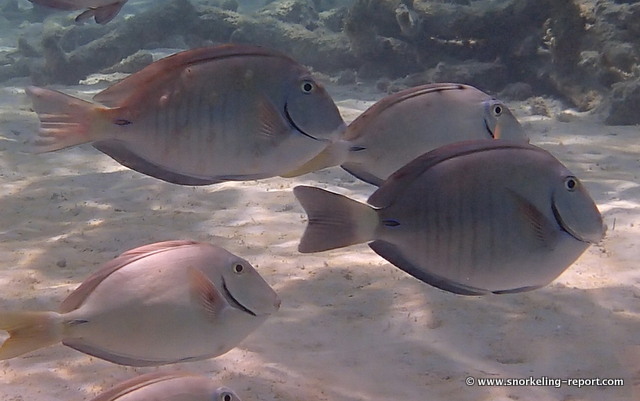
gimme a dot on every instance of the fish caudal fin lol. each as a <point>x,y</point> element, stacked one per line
<point>29,331</point>
<point>65,120</point>
<point>335,221</point>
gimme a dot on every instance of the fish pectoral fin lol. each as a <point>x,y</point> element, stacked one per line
<point>542,228</point>
<point>272,123</point>
<point>205,293</point>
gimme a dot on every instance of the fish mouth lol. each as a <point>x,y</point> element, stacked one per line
<point>234,302</point>
<point>293,123</point>
<point>489,130</point>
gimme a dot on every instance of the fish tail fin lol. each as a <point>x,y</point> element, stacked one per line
<point>335,221</point>
<point>65,120</point>
<point>29,331</point>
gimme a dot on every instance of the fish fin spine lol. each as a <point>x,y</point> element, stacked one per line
<point>29,331</point>
<point>334,221</point>
<point>65,121</point>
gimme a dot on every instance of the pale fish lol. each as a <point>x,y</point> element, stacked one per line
<point>102,11</point>
<point>162,303</point>
<point>175,386</point>
<point>232,112</point>
<point>471,218</point>
<point>403,126</point>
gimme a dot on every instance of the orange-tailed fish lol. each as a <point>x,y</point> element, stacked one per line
<point>472,218</point>
<point>102,11</point>
<point>162,303</point>
<point>198,117</point>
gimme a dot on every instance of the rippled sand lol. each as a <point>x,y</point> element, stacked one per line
<point>352,326</point>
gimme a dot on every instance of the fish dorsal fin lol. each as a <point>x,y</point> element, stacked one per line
<point>77,297</point>
<point>136,86</point>
<point>272,123</point>
<point>354,131</point>
<point>542,228</point>
<point>205,293</point>
<point>136,383</point>
<point>393,186</point>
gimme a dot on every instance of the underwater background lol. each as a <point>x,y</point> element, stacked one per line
<point>351,325</point>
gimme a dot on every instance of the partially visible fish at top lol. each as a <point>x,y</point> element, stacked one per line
<point>404,125</point>
<point>170,386</point>
<point>198,117</point>
<point>102,11</point>
<point>472,218</point>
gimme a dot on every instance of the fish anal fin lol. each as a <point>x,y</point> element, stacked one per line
<point>119,152</point>
<point>205,293</point>
<point>82,346</point>
<point>542,229</point>
<point>391,253</point>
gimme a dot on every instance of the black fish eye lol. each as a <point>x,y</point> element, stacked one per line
<point>497,110</point>
<point>307,87</point>
<point>570,183</point>
<point>226,397</point>
<point>238,268</point>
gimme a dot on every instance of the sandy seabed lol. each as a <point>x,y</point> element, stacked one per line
<point>351,326</point>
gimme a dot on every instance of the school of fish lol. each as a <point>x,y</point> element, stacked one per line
<point>465,203</point>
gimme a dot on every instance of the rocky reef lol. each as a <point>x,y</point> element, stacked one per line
<point>586,53</point>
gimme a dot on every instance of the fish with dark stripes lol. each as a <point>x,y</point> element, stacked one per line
<point>471,218</point>
<point>226,113</point>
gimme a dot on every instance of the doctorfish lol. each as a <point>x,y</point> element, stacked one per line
<point>402,126</point>
<point>102,11</point>
<point>232,112</point>
<point>175,386</point>
<point>472,218</point>
<point>162,303</point>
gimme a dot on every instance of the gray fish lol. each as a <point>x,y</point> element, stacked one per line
<point>176,386</point>
<point>407,124</point>
<point>198,117</point>
<point>471,218</point>
<point>162,303</point>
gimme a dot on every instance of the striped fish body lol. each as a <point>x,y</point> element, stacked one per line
<point>204,116</point>
<point>407,124</point>
<point>473,218</point>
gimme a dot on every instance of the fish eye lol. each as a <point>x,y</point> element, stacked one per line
<point>226,396</point>
<point>238,268</point>
<point>570,183</point>
<point>497,110</point>
<point>307,86</point>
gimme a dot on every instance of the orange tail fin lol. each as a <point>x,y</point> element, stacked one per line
<point>65,120</point>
